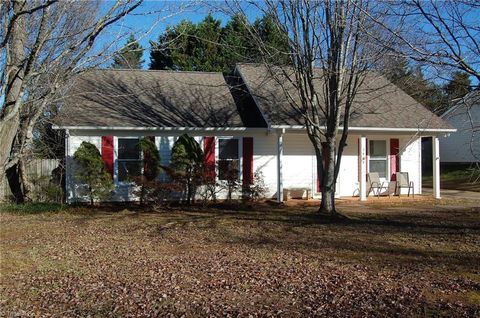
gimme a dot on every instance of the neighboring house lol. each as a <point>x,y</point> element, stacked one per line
<point>244,119</point>
<point>463,146</point>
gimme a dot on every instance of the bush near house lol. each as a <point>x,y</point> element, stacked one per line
<point>93,172</point>
<point>147,183</point>
<point>256,190</point>
<point>187,165</point>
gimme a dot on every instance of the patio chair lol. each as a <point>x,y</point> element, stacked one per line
<point>404,182</point>
<point>375,183</point>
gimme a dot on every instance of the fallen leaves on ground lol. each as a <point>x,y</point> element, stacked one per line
<point>268,262</point>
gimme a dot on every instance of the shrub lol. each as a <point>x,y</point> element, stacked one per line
<point>164,192</point>
<point>151,168</point>
<point>47,190</point>
<point>187,164</point>
<point>93,172</point>
<point>256,190</point>
<point>231,182</point>
<point>209,185</point>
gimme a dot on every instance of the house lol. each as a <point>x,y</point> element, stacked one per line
<point>463,146</point>
<point>243,119</point>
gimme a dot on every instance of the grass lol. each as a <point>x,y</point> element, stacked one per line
<point>384,260</point>
<point>455,179</point>
<point>32,208</point>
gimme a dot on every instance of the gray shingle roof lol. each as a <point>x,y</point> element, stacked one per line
<point>378,102</point>
<point>136,98</point>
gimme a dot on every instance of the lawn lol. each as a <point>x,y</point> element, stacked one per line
<point>400,259</point>
<point>466,179</point>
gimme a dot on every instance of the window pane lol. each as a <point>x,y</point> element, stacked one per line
<point>228,169</point>
<point>379,166</point>
<point>128,149</point>
<point>378,148</point>
<point>127,170</point>
<point>228,148</point>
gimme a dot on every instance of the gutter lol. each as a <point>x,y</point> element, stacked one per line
<point>379,129</point>
<point>258,129</point>
<point>213,129</point>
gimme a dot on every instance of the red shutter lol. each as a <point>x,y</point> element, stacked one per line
<point>107,152</point>
<point>247,168</point>
<point>394,158</point>
<point>209,151</point>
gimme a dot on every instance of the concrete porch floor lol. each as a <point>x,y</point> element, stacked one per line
<point>426,197</point>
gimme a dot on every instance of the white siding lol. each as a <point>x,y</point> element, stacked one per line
<point>348,176</point>
<point>299,162</point>
<point>265,160</point>
<point>411,161</point>
<point>457,146</point>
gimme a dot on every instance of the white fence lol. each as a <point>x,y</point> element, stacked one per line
<point>40,172</point>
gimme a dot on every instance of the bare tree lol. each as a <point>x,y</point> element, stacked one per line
<point>331,55</point>
<point>446,37</point>
<point>448,33</point>
<point>43,44</point>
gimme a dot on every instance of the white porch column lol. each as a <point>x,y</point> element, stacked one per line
<point>68,190</point>
<point>363,170</point>
<point>279,165</point>
<point>436,167</point>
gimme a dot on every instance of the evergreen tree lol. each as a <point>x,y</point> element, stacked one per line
<point>275,40</point>
<point>396,69</point>
<point>424,91</point>
<point>151,158</point>
<point>207,46</point>
<point>187,163</point>
<point>93,172</point>
<point>206,52</point>
<point>458,86</point>
<point>147,182</point>
<point>413,82</point>
<point>235,44</point>
<point>182,46</point>
<point>129,57</point>
<point>160,54</point>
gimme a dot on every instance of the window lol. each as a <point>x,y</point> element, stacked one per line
<point>129,159</point>
<point>378,157</point>
<point>228,159</point>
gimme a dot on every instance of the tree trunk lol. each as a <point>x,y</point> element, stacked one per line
<point>27,185</point>
<point>13,178</point>
<point>10,114</point>
<point>189,191</point>
<point>327,205</point>
<point>92,201</point>
<point>327,182</point>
